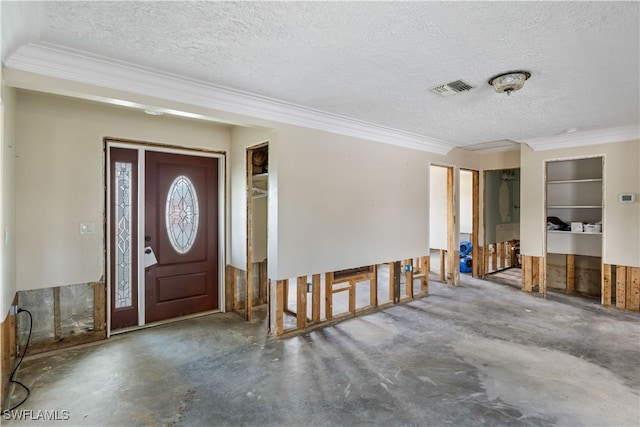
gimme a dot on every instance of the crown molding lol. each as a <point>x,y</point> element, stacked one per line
<point>77,66</point>
<point>581,139</point>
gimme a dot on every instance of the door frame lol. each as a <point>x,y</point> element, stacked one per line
<point>450,263</point>
<point>475,222</point>
<point>248,305</point>
<point>142,148</point>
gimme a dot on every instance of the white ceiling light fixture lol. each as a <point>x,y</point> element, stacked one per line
<point>509,82</point>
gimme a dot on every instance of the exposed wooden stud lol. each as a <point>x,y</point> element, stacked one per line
<point>352,296</point>
<point>443,263</point>
<point>263,280</point>
<point>633,288</point>
<point>500,254</point>
<point>236,291</point>
<point>394,275</point>
<point>621,286</point>
<point>392,296</point>
<point>229,288</point>
<point>408,277</point>
<point>527,279</point>
<point>248,303</point>
<point>534,271</point>
<point>485,264</point>
<point>475,203</point>
<point>315,297</point>
<point>280,286</point>
<point>456,270</point>
<point>606,285</point>
<point>8,351</point>
<point>373,288</point>
<point>285,296</point>
<point>571,273</point>
<point>57,326</point>
<point>328,296</point>
<point>99,307</point>
<point>451,222</point>
<point>424,270</point>
<point>542,277</point>
<point>494,258</point>
<point>301,307</point>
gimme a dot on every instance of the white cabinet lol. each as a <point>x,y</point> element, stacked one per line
<point>574,194</point>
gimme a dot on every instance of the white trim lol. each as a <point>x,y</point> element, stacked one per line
<point>581,139</point>
<point>59,62</point>
<point>141,233</point>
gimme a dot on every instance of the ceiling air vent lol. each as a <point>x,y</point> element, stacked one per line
<point>451,88</point>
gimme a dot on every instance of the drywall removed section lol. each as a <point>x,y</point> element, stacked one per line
<point>584,279</point>
<point>621,232</point>
<point>60,179</point>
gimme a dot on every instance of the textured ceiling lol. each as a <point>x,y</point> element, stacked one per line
<point>375,61</point>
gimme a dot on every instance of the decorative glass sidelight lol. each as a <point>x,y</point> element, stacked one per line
<point>182,214</point>
<point>123,180</point>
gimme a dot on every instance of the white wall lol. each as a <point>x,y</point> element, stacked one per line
<point>621,221</point>
<point>438,207</point>
<point>60,179</point>
<point>334,201</point>
<point>466,202</point>
<point>7,201</point>
<point>345,202</point>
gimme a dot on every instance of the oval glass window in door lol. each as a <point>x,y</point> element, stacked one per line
<point>182,214</point>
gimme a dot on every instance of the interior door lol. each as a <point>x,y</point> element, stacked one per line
<point>181,230</point>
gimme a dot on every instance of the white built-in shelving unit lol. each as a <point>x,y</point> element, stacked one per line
<point>574,194</point>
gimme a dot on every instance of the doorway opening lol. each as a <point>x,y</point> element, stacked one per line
<point>469,224</point>
<point>253,291</point>
<point>501,260</point>
<point>443,253</point>
<point>165,228</point>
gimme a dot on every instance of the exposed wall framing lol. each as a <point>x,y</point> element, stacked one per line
<point>8,351</point>
<point>621,287</point>
<point>534,279</point>
<point>64,316</point>
<point>574,274</point>
<point>236,287</point>
<point>453,252</point>
<point>499,256</point>
<point>307,302</point>
<point>257,165</point>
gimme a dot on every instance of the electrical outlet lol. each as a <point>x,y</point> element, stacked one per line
<point>13,310</point>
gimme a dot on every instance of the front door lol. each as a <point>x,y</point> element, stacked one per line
<point>181,230</point>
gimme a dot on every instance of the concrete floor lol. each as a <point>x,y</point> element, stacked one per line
<point>480,354</point>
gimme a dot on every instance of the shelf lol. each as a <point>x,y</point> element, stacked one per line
<point>571,232</point>
<point>574,181</point>
<point>574,207</point>
<point>260,177</point>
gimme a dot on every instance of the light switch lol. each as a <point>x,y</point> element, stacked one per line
<point>87,228</point>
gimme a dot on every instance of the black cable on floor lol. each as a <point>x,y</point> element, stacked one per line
<point>13,373</point>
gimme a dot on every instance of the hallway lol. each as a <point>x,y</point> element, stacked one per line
<point>480,354</point>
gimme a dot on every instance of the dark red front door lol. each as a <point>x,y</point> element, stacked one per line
<point>181,228</point>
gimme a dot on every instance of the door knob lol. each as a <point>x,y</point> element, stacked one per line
<point>147,251</point>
